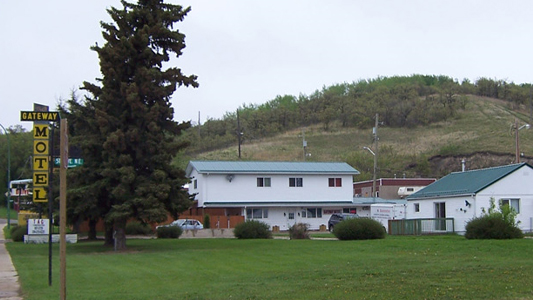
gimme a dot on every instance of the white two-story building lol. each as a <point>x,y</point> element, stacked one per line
<point>277,193</point>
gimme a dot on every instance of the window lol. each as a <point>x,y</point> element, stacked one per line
<point>514,203</point>
<point>195,184</point>
<point>296,182</point>
<point>256,213</point>
<point>417,207</point>
<point>263,181</point>
<point>312,213</point>
<point>335,182</point>
<point>410,189</point>
<point>351,210</point>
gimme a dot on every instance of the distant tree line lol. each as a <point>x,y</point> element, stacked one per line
<point>401,101</point>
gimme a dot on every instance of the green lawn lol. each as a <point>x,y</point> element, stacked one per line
<point>394,268</point>
<point>3,212</point>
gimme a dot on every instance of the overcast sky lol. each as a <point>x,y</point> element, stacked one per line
<point>246,52</point>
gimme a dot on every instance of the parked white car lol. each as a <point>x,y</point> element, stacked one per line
<point>185,224</point>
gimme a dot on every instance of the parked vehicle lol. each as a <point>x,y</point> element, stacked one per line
<point>336,218</point>
<point>185,224</point>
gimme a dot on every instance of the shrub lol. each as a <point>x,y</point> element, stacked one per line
<point>18,232</point>
<point>299,231</point>
<point>137,228</point>
<point>491,227</point>
<point>169,232</point>
<point>359,229</point>
<point>252,229</point>
<point>207,221</point>
<point>494,224</point>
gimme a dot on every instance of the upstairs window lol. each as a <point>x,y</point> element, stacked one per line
<point>263,181</point>
<point>335,182</point>
<point>296,182</point>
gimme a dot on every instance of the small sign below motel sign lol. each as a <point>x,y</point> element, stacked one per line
<point>38,226</point>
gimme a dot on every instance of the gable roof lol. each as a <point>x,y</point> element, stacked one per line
<point>270,167</point>
<point>465,183</point>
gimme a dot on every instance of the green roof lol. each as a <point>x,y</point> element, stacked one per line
<point>270,167</point>
<point>465,183</point>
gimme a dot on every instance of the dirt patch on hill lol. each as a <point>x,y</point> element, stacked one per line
<point>443,165</point>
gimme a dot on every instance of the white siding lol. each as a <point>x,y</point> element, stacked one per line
<point>217,188</point>
<point>243,188</point>
<point>515,185</point>
<point>279,216</point>
<point>518,186</point>
<point>455,208</point>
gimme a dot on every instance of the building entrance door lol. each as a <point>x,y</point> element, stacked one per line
<point>440,215</point>
<point>291,217</point>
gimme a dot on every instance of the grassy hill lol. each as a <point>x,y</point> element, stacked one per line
<point>481,134</point>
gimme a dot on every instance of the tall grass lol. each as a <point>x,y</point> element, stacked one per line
<point>392,268</point>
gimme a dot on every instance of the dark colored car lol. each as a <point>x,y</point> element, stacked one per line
<point>336,218</point>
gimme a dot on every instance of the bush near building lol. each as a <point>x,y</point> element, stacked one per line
<point>252,229</point>
<point>138,228</point>
<point>299,231</point>
<point>169,232</point>
<point>18,232</point>
<point>494,224</point>
<point>359,229</point>
<point>207,221</point>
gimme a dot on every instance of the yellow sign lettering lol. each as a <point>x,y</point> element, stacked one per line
<point>52,116</point>
<point>40,131</point>
<point>40,163</point>
<point>40,195</point>
<point>40,147</point>
<point>40,178</point>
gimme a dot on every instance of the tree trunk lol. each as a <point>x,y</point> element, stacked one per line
<point>76,226</point>
<point>120,235</point>
<point>92,230</point>
<point>108,234</point>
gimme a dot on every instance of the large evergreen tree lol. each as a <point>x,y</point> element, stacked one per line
<point>88,199</point>
<point>133,113</point>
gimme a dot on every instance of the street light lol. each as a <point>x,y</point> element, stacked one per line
<point>374,174</point>
<point>8,194</point>
<point>517,147</point>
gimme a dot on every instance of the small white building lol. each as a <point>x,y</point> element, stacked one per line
<point>464,195</point>
<point>277,193</point>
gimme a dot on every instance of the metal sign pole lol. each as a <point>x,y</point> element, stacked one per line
<point>50,206</point>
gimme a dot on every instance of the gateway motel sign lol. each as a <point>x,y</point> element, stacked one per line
<point>52,116</point>
<point>42,166</point>
<point>41,119</point>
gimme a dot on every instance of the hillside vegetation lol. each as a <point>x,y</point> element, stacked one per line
<point>473,127</point>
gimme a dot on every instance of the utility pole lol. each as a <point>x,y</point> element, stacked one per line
<point>239,133</point>
<point>517,150</point>
<point>375,134</point>
<point>304,142</point>
<point>199,126</point>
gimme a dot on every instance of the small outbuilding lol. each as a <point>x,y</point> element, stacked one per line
<point>465,195</point>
